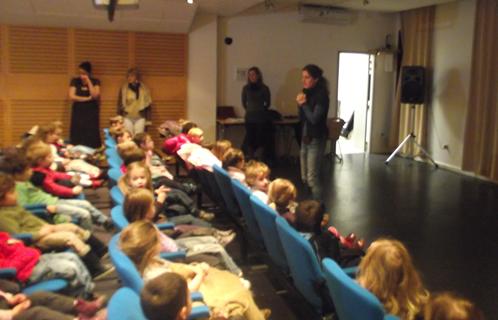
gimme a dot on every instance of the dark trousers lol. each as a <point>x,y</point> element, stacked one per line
<point>46,306</point>
<point>260,135</point>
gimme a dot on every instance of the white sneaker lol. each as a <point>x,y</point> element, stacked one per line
<point>208,216</point>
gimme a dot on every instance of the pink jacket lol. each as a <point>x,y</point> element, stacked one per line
<point>172,145</point>
<point>17,256</point>
<point>50,184</point>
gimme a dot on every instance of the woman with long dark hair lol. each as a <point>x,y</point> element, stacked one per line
<point>256,99</point>
<point>84,92</point>
<point>313,104</point>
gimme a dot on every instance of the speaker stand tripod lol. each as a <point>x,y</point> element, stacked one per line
<point>411,137</point>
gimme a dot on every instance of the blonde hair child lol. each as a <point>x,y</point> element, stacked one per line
<point>257,174</point>
<point>448,306</point>
<point>282,196</point>
<point>388,272</point>
<point>220,147</point>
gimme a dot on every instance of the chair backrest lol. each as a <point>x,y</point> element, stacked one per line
<point>303,264</point>
<point>335,126</point>
<point>266,221</point>
<point>350,299</point>
<point>125,268</point>
<point>114,174</point>
<point>117,196</point>
<point>225,185</point>
<point>243,196</point>
<point>209,185</point>
<point>125,305</point>
<point>118,218</point>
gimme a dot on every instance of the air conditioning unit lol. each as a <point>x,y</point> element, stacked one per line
<point>121,4</point>
<point>314,13</point>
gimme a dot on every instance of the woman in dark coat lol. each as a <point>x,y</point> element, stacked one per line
<point>84,92</point>
<point>256,100</point>
<point>313,105</point>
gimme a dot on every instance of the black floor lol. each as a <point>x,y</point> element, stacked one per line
<point>447,220</point>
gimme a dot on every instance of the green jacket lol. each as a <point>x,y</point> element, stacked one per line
<point>16,219</point>
<point>28,194</point>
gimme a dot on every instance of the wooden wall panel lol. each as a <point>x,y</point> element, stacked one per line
<point>161,54</point>
<point>107,50</point>
<point>27,113</point>
<point>38,50</point>
<point>37,65</point>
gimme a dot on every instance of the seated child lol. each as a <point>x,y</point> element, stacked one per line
<point>220,147</point>
<point>15,219</point>
<point>174,203</point>
<point>312,222</point>
<point>16,165</point>
<point>233,162</point>
<point>166,297</point>
<point>56,183</point>
<point>223,291</point>
<point>199,247</point>
<point>388,272</point>
<point>48,305</point>
<point>448,306</point>
<point>51,135</point>
<point>33,267</point>
<point>116,122</point>
<point>122,135</point>
<point>282,198</point>
<point>172,145</point>
<point>257,174</point>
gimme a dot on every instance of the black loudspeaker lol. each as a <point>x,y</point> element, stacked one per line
<point>413,84</point>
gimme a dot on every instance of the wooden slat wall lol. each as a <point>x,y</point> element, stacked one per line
<point>36,65</point>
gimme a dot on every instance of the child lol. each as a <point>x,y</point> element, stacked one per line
<point>282,198</point>
<point>122,135</point>
<point>448,306</point>
<point>56,183</point>
<point>31,266</point>
<point>388,272</point>
<point>311,221</point>
<point>116,122</point>
<point>220,147</point>
<point>223,292</point>
<point>172,145</point>
<point>51,135</point>
<point>172,202</point>
<point>16,165</point>
<point>14,219</point>
<point>233,162</point>
<point>166,297</point>
<point>48,305</point>
<point>139,205</point>
<point>257,174</point>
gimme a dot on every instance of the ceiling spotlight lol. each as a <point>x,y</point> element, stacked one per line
<point>190,1</point>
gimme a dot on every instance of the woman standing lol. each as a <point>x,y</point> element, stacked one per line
<point>256,100</point>
<point>84,92</point>
<point>134,103</point>
<point>313,105</point>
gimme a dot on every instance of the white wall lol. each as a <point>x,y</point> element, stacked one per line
<point>280,44</point>
<point>453,37</point>
<point>202,73</point>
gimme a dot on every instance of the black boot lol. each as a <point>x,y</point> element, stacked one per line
<point>95,267</point>
<point>97,246</point>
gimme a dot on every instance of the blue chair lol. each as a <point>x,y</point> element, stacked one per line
<point>125,305</point>
<point>304,266</point>
<point>114,174</point>
<point>225,185</point>
<point>243,195</point>
<point>266,220</point>
<point>130,277</point>
<point>106,133</point>
<point>117,196</point>
<point>350,299</point>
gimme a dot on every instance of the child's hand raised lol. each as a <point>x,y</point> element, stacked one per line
<point>162,189</point>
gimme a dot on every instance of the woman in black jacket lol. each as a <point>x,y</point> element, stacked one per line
<point>256,100</point>
<point>313,104</point>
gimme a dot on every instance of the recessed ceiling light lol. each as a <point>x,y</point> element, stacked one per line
<point>190,1</point>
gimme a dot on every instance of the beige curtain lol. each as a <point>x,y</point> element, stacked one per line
<point>416,32</point>
<point>480,153</point>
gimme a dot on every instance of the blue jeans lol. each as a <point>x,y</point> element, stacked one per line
<point>63,265</point>
<point>312,155</point>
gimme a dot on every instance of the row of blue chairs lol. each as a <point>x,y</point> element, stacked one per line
<point>292,254</point>
<point>125,302</point>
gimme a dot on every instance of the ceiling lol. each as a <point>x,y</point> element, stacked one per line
<point>161,15</point>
